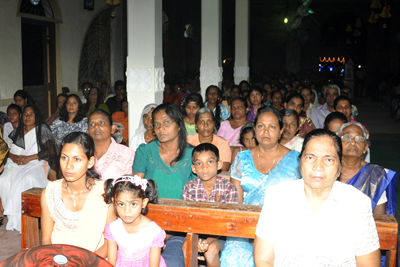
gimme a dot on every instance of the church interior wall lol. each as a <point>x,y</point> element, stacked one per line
<point>71,34</point>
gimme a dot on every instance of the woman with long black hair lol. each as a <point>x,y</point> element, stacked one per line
<point>73,210</point>
<point>95,101</point>
<point>213,97</point>
<point>168,162</point>
<point>33,147</point>
<point>72,119</point>
<point>22,97</point>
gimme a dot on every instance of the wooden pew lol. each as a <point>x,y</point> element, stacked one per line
<point>196,218</point>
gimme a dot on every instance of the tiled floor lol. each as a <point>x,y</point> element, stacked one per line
<point>10,242</point>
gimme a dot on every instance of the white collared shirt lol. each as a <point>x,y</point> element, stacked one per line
<point>341,229</point>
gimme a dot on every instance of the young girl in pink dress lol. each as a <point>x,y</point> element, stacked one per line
<point>133,240</point>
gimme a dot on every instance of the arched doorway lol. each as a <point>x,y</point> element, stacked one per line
<point>38,36</point>
<point>94,63</point>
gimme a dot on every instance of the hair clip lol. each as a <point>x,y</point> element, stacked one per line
<point>136,180</point>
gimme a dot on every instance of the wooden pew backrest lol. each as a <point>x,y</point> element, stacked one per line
<point>196,218</point>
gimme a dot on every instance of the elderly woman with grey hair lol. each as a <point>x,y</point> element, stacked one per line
<point>205,125</point>
<point>378,183</point>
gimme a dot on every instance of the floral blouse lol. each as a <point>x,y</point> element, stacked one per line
<point>61,128</point>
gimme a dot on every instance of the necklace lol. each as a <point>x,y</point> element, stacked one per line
<point>77,197</point>
<point>188,121</point>
<point>273,162</point>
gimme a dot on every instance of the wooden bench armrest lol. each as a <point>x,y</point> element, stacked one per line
<point>387,228</point>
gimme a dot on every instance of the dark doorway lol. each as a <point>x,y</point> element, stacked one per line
<point>32,54</point>
<point>38,63</point>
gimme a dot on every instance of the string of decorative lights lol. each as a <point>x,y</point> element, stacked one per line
<point>333,59</point>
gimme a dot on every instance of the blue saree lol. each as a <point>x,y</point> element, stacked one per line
<point>373,180</point>
<point>238,251</point>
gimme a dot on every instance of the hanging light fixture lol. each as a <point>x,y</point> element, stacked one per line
<point>385,12</point>
<point>112,4</point>
<point>358,24</point>
<point>372,18</point>
<point>375,4</point>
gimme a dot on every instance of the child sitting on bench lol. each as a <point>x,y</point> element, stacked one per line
<point>208,187</point>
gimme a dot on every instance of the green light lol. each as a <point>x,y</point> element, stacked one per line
<point>286,20</point>
<point>310,11</point>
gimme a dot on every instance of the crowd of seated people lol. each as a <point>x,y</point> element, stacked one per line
<point>255,131</point>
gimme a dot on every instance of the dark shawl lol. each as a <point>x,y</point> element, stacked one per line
<point>44,139</point>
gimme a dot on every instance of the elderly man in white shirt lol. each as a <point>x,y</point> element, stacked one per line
<point>319,114</point>
<point>317,221</point>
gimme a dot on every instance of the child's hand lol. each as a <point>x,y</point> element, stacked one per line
<point>202,246</point>
<point>167,237</point>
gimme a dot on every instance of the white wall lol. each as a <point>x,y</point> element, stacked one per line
<point>10,52</point>
<point>72,30</point>
<point>76,21</point>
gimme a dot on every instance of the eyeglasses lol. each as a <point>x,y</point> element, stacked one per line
<point>166,124</point>
<point>358,138</point>
<point>86,89</point>
<point>93,124</point>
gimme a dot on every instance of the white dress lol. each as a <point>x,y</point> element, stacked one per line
<point>18,178</point>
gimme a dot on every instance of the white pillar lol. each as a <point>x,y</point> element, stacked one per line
<point>241,70</point>
<point>210,65</point>
<point>145,72</point>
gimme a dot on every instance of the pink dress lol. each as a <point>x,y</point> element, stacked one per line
<point>117,161</point>
<point>134,249</point>
<point>228,133</point>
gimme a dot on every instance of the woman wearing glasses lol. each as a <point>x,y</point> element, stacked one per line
<point>373,180</point>
<point>168,162</point>
<point>111,159</point>
<point>168,159</point>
